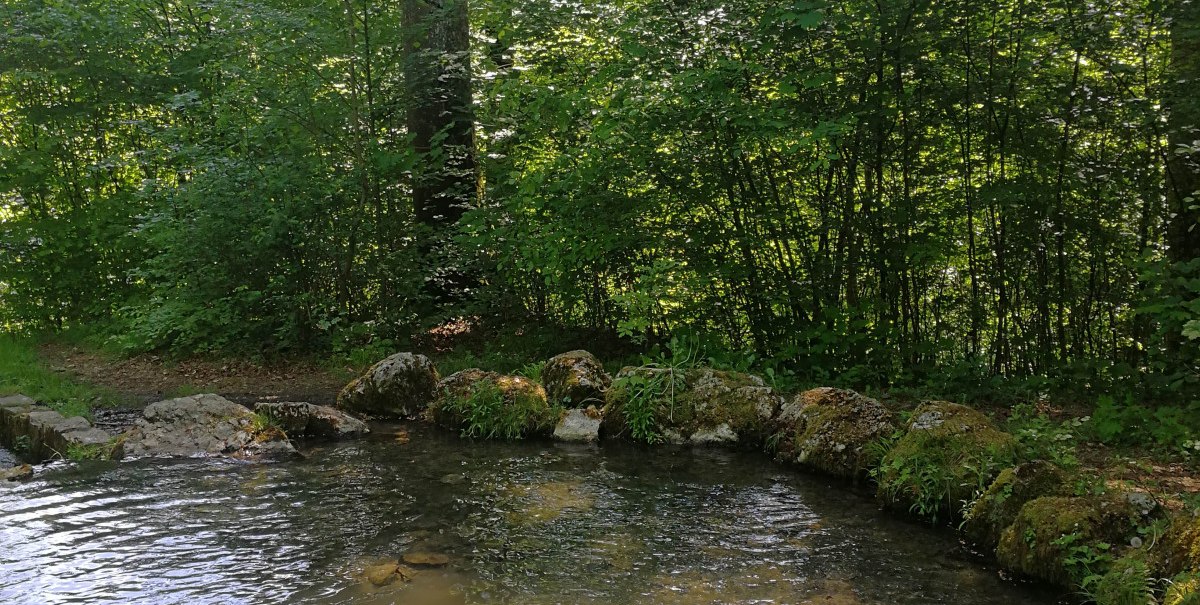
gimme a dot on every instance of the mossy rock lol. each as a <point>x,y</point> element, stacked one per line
<point>575,379</point>
<point>492,406</point>
<point>1052,535</point>
<point>998,507</point>
<point>950,454</point>
<point>699,406</point>
<point>832,431</point>
<point>1181,545</point>
<point>1184,589</point>
<point>401,386</point>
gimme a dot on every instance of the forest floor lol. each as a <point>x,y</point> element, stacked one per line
<point>133,382</point>
<point>144,379</point>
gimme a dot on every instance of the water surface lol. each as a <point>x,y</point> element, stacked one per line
<point>525,523</point>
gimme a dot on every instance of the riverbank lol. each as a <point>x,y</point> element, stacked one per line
<point>937,475</point>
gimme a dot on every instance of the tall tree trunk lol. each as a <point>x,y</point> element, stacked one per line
<point>1183,169</point>
<point>441,122</point>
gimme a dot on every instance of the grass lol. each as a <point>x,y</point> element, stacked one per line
<point>21,371</point>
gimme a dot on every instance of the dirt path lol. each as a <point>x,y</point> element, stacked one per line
<point>147,378</point>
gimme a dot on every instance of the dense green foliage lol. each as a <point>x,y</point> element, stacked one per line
<point>876,193</point>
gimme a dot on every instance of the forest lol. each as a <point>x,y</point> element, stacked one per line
<point>962,197</point>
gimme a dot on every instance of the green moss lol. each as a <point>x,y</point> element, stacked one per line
<point>656,404</point>
<point>833,431</point>
<point>490,406</point>
<point>1182,545</point>
<point>575,379</point>
<point>1184,589</point>
<point>950,455</point>
<point>1066,539</point>
<point>998,507</point>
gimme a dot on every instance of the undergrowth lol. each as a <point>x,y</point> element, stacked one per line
<point>21,371</point>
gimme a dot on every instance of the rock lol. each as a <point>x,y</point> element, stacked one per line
<point>384,573</point>
<point>401,386</point>
<point>998,507</point>
<point>832,431</point>
<point>23,472</point>
<point>426,559</point>
<point>204,425</point>
<point>1183,590</point>
<point>705,405</point>
<point>575,379</point>
<point>949,453</point>
<point>39,433</point>
<point>579,426</point>
<point>722,433</point>
<point>1042,541</point>
<point>311,421</point>
<point>1181,545</point>
<point>491,406</point>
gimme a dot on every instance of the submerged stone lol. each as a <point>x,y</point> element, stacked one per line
<point>204,425</point>
<point>23,472</point>
<point>575,379</point>
<point>426,559</point>
<point>306,420</point>
<point>400,386</point>
<point>832,431</point>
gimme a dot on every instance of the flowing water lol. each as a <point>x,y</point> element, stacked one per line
<point>524,523</point>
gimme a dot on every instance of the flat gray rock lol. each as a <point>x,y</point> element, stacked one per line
<point>204,425</point>
<point>578,426</point>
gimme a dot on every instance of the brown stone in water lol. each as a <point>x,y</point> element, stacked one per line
<point>17,473</point>
<point>383,574</point>
<point>426,559</point>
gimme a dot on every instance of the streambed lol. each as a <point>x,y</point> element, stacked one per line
<point>523,523</point>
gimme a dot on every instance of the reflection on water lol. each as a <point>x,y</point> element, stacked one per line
<point>527,524</point>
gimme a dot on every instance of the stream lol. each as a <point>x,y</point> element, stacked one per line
<point>522,523</point>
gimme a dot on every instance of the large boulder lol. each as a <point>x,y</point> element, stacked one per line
<point>204,425</point>
<point>575,379</point>
<point>699,406</point>
<point>1051,536</point>
<point>832,431</point>
<point>401,386</point>
<point>493,406</point>
<point>309,421</point>
<point>950,454</point>
<point>998,507</point>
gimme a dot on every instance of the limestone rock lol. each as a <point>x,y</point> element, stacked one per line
<point>579,426</point>
<point>953,443</point>
<point>1041,541</point>
<point>493,406</point>
<point>306,420</point>
<point>204,425</point>
<point>832,431</point>
<point>401,386</point>
<point>998,507</point>
<point>713,406</point>
<point>575,379</point>
<point>43,434</point>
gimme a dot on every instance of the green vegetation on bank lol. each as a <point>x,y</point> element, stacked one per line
<point>22,371</point>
